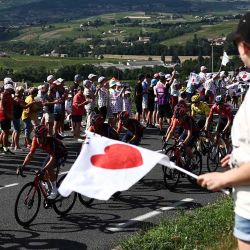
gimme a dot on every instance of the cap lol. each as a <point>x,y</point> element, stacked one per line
<point>60,80</point>
<point>101,78</point>
<point>112,83</point>
<point>40,87</point>
<point>8,86</point>
<point>77,77</point>
<point>161,74</point>
<point>203,68</point>
<point>90,76</point>
<point>86,82</point>
<point>243,30</point>
<point>50,77</point>
<point>118,84</point>
<point>7,80</point>
<point>154,82</point>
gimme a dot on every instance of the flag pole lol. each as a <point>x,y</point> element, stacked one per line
<point>165,161</point>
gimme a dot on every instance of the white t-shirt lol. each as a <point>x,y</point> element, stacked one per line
<point>241,154</point>
<point>174,90</point>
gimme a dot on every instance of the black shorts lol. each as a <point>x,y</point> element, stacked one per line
<point>138,106</point>
<point>6,124</point>
<point>76,118</point>
<point>57,117</point>
<point>165,111</point>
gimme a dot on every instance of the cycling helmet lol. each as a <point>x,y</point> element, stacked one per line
<point>219,99</point>
<point>179,111</point>
<point>124,115</point>
<point>195,98</point>
<point>97,120</point>
<point>41,130</point>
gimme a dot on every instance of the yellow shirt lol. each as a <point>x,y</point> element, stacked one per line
<point>29,113</point>
<point>201,109</point>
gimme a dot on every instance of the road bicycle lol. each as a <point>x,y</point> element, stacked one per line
<point>178,155</point>
<point>29,200</point>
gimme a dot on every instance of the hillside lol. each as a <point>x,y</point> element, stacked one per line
<point>21,12</point>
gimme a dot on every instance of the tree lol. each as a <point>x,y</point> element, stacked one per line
<point>163,58</point>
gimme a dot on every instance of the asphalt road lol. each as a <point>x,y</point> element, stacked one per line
<point>105,224</point>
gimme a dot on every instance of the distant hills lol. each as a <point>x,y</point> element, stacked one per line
<point>21,12</point>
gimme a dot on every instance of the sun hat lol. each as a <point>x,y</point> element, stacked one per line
<point>90,76</point>
<point>203,68</point>
<point>101,78</point>
<point>8,80</point>
<point>50,77</point>
<point>112,83</point>
<point>8,86</point>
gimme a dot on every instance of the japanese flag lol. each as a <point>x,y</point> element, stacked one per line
<point>225,59</point>
<point>106,166</point>
<point>194,79</point>
<point>245,76</point>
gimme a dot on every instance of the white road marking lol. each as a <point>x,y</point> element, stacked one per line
<point>122,226</point>
<point>10,185</point>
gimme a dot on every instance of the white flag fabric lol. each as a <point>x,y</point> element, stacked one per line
<point>225,59</point>
<point>245,76</point>
<point>106,166</point>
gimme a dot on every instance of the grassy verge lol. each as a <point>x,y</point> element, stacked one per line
<point>203,228</point>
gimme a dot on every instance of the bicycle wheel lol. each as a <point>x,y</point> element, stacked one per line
<point>171,176</point>
<point>27,204</point>
<point>213,159</point>
<point>194,165</point>
<point>85,200</point>
<point>62,205</point>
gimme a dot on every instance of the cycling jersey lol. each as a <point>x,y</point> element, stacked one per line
<point>200,109</point>
<point>105,130</point>
<point>187,123</point>
<point>53,147</point>
<point>132,125</point>
<point>224,112</point>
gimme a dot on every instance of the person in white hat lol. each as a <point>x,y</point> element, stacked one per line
<point>103,96</point>
<point>6,116</point>
<point>50,79</point>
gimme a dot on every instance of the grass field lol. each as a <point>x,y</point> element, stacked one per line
<point>207,228</point>
<point>207,31</point>
<point>17,62</point>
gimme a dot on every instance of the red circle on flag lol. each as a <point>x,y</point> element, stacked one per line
<point>118,156</point>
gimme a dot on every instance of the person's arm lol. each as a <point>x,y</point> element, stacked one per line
<point>50,162</point>
<point>27,159</point>
<point>210,116</point>
<point>188,138</point>
<point>119,127</point>
<point>170,131</point>
<point>231,178</point>
<point>229,121</point>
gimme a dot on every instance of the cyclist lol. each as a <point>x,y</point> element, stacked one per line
<point>199,110</point>
<point>134,131</point>
<point>225,117</point>
<point>98,126</point>
<point>188,129</point>
<point>57,154</point>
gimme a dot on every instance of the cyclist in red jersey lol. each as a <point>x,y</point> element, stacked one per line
<point>57,154</point>
<point>98,126</point>
<point>225,116</point>
<point>134,131</point>
<point>188,129</point>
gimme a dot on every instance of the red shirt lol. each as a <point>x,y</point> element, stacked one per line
<point>52,146</point>
<point>78,99</point>
<point>225,111</point>
<point>8,106</point>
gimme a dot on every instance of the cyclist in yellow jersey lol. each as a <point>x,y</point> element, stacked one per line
<point>199,110</point>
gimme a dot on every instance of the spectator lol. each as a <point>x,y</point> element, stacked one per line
<point>78,111</point>
<point>138,97</point>
<point>239,175</point>
<point>76,83</point>
<point>145,86</point>
<point>6,115</point>
<point>29,115</point>
<point>19,104</point>
<point>103,96</point>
